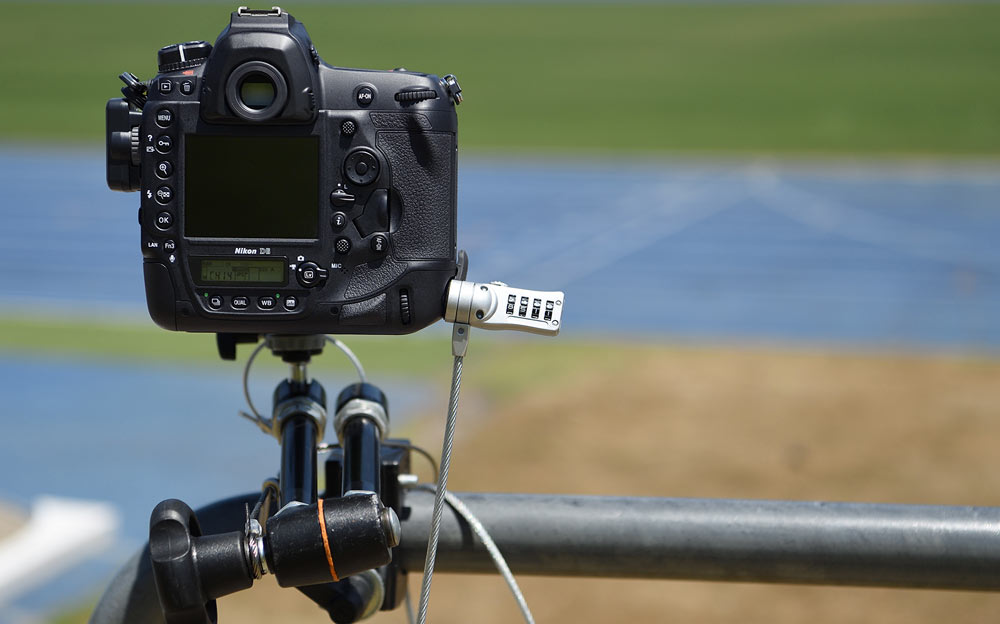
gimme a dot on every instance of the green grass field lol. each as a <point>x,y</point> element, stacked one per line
<point>731,78</point>
<point>505,366</point>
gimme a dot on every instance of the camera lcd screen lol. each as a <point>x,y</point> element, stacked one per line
<point>240,271</point>
<point>251,187</point>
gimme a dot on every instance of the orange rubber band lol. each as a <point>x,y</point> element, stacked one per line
<point>326,541</point>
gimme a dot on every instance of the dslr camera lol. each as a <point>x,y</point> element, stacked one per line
<point>280,194</point>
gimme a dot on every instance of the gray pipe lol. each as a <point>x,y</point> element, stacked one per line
<point>919,546</point>
<point>720,540</point>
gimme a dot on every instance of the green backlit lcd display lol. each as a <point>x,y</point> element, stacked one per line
<point>240,271</point>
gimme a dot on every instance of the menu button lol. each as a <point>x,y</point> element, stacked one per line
<point>164,117</point>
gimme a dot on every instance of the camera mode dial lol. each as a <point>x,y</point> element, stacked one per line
<point>183,55</point>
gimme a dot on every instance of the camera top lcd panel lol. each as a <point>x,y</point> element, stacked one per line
<point>283,195</point>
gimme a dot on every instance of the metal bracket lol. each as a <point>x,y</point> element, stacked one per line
<point>460,339</point>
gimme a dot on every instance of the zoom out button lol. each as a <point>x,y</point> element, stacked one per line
<point>164,194</point>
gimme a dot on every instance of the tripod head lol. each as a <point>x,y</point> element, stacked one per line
<point>308,540</point>
<point>291,348</point>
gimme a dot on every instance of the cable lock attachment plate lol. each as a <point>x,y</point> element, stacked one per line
<point>499,306</point>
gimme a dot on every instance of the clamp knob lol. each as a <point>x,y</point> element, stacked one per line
<point>190,570</point>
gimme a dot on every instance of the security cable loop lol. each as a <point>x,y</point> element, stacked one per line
<point>255,416</point>
<point>459,346</point>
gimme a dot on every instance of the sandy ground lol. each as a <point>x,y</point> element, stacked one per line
<point>713,422</point>
<point>11,518</point>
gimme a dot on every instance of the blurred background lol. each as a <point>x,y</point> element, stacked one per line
<point>776,226</point>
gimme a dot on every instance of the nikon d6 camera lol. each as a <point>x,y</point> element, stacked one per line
<point>282,195</point>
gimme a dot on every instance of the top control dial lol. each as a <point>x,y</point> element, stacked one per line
<point>183,55</point>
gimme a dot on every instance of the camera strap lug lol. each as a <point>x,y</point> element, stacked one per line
<point>134,89</point>
<point>453,89</point>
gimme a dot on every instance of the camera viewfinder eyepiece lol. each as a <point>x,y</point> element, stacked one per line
<point>256,91</point>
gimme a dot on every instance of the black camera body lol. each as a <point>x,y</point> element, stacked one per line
<point>282,195</point>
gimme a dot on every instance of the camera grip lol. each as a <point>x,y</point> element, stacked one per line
<point>424,176</point>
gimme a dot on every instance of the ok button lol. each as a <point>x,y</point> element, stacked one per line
<point>164,220</point>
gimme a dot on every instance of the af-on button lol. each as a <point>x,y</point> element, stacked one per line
<point>379,243</point>
<point>365,96</point>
